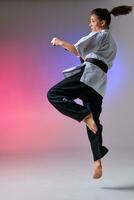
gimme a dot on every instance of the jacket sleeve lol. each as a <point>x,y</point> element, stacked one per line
<point>88,44</point>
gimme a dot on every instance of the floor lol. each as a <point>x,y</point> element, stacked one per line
<point>66,176</point>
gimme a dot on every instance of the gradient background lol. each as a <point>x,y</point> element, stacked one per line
<point>29,66</point>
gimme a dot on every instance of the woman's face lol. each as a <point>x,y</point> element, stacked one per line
<point>96,24</point>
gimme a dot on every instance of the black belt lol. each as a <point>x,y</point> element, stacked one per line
<point>99,63</point>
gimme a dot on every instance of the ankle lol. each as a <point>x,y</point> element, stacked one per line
<point>97,163</point>
<point>88,117</point>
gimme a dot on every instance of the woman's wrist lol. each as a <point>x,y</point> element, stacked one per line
<point>61,43</point>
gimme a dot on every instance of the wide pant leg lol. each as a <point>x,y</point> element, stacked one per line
<point>63,94</point>
<point>96,140</point>
<point>62,97</point>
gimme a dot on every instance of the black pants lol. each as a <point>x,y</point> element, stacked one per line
<point>62,97</point>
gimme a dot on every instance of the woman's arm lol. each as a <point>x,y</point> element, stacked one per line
<point>70,47</point>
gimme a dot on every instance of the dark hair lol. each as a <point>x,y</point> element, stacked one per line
<point>104,14</point>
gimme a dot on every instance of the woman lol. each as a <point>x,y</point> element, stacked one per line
<point>88,81</point>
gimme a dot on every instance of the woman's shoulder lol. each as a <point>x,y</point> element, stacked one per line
<point>99,34</point>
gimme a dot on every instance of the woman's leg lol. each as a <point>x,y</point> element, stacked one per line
<point>89,120</point>
<point>98,150</point>
<point>62,96</point>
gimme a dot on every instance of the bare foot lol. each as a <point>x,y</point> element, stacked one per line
<point>97,171</point>
<point>90,123</point>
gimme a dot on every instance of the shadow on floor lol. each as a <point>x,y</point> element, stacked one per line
<point>121,188</point>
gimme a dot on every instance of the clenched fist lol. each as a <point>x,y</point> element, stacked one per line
<point>56,41</point>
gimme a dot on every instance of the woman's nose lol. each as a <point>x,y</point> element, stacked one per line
<point>89,23</point>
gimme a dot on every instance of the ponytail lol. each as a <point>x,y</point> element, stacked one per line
<point>104,13</point>
<point>121,10</point>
